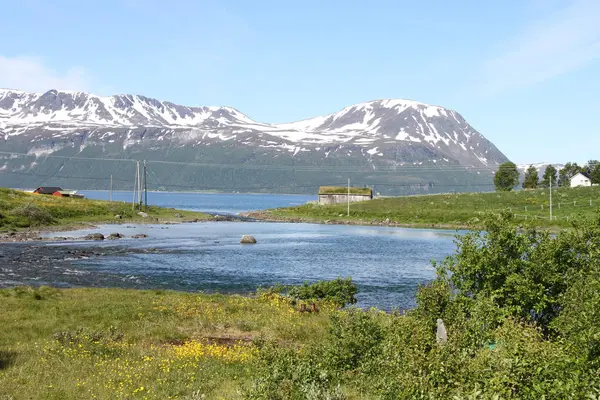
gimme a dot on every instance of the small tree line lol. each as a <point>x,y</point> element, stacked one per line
<point>507,176</point>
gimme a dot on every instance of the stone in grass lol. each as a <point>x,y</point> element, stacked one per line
<point>143,214</point>
<point>118,216</point>
<point>248,239</point>
<point>441,335</point>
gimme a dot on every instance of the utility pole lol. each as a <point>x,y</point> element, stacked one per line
<point>348,196</point>
<point>145,188</point>
<point>139,200</point>
<point>550,198</point>
<point>135,186</point>
<point>110,190</point>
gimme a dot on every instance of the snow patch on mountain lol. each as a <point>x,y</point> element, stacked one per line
<point>375,126</point>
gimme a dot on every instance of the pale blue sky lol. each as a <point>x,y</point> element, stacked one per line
<point>525,73</point>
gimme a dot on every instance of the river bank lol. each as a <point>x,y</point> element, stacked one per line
<point>282,215</point>
<point>27,216</point>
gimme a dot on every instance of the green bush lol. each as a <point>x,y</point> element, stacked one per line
<point>523,270</point>
<point>338,291</point>
<point>354,336</point>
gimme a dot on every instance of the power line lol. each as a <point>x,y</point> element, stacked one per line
<point>276,167</point>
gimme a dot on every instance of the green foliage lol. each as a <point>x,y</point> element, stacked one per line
<point>593,170</point>
<point>354,336</point>
<point>339,291</point>
<point>281,373</point>
<point>525,273</point>
<point>531,178</point>
<point>567,172</point>
<point>507,177</point>
<point>550,175</point>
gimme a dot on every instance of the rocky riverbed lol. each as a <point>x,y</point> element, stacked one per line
<point>60,265</point>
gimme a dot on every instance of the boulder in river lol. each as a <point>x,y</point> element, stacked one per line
<point>116,235</point>
<point>139,236</point>
<point>94,236</point>
<point>248,239</point>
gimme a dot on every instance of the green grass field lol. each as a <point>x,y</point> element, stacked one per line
<point>457,210</point>
<point>118,344</point>
<point>24,210</point>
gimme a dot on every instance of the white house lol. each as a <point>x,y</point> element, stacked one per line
<point>580,179</point>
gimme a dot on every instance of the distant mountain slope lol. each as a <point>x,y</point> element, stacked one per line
<point>372,138</point>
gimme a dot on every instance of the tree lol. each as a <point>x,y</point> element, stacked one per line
<point>531,178</point>
<point>507,177</point>
<point>567,172</point>
<point>549,175</point>
<point>592,168</point>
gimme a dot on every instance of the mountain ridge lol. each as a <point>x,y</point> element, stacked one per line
<point>375,135</point>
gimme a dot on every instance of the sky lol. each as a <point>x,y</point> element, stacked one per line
<point>524,73</point>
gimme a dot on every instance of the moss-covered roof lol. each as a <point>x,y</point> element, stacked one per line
<point>344,190</point>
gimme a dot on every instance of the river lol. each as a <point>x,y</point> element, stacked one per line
<point>387,263</point>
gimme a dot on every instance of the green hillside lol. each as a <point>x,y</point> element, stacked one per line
<point>20,209</point>
<point>457,210</point>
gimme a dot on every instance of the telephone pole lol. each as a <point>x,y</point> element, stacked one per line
<point>135,185</point>
<point>139,200</point>
<point>550,198</point>
<point>145,188</point>
<point>110,190</point>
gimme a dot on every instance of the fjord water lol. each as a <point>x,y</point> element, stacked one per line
<point>221,203</point>
<point>387,263</point>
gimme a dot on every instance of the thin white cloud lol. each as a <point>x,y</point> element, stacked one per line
<point>30,74</point>
<point>558,43</point>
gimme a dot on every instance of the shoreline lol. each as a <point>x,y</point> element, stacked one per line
<point>27,235</point>
<point>267,216</point>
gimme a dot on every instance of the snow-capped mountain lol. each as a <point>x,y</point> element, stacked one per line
<point>377,135</point>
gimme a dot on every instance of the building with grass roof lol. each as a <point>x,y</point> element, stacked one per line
<point>341,194</point>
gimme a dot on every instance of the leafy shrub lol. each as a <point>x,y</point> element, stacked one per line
<point>338,291</point>
<point>285,373</point>
<point>354,336</point>
<point>33,214</point>
<point>525,272</point>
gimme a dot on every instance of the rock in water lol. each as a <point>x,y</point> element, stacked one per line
<point>94,236</point>
<point>247,239</point>
<point>139,236</point>
<point>441,335</point>
<point>116,235</point>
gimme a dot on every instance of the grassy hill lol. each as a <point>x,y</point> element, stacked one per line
<point>456,210</point>
<point>20,209</point>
